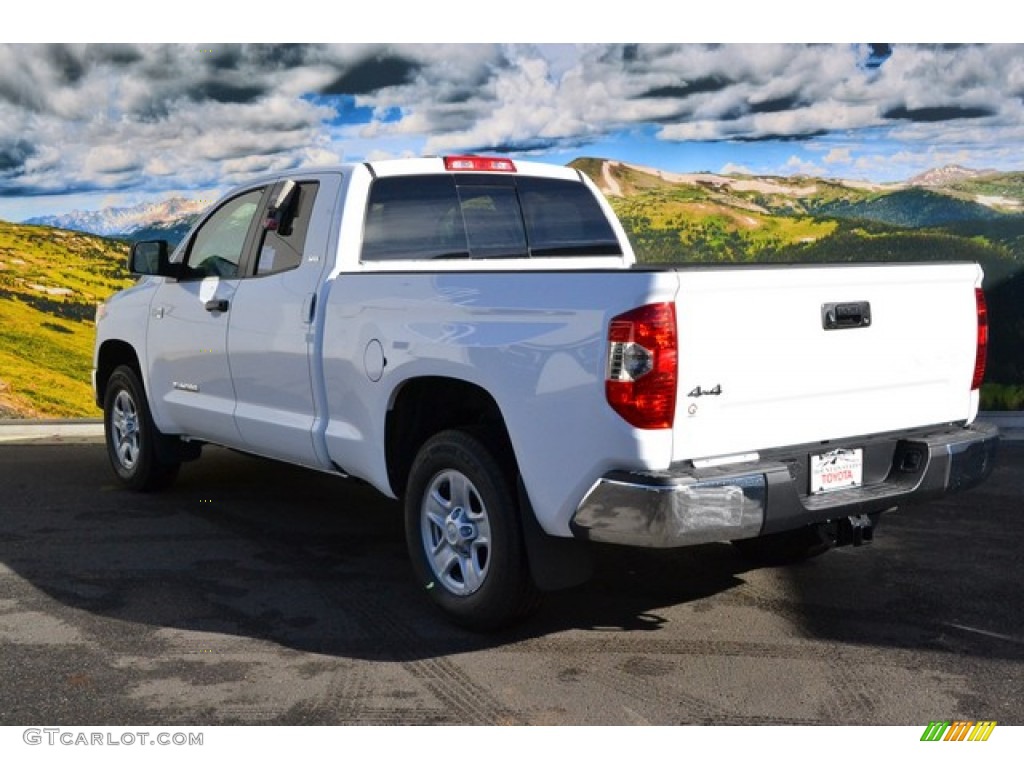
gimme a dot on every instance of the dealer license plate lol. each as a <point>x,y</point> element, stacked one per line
<point>841,468</point>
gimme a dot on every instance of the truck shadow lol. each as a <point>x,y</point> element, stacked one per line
<point>255,549</point>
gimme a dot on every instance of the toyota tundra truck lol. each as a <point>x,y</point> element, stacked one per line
<point>473,335</point>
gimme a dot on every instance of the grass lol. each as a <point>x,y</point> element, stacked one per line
<point>1002,397</point>
<point>50,283</point>
<point>688,225</point>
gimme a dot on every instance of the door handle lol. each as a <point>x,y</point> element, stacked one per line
<point>217,305</point>
<point>853,314</point>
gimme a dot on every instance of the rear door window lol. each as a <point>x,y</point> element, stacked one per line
<point>282,245</point>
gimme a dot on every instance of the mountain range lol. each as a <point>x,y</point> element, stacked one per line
<point>168,219</point>
<point>52,278</point>
<point>966,193</point>
<point>936,197</point>
<point>944,214</point>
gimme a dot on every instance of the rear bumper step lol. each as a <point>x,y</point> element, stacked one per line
<point>685,506</point>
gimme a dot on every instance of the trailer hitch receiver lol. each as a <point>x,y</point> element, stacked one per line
<point>856,530</point>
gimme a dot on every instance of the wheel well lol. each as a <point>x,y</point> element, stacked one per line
<point>112,354</point>
<point>423,407</point>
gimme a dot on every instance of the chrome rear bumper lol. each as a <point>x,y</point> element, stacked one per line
<point>685,506</point>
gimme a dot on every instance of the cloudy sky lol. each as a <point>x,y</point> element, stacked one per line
<point>86,126</point>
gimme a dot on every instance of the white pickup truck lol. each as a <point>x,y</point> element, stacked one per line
<point>472,335</point>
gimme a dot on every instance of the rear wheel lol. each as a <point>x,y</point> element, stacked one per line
<point>131,436</point>
<point>464,535</point>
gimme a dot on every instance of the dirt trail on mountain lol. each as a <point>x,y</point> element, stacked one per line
<point>610,181</point>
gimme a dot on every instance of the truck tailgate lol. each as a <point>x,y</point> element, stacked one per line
<point>776,356</point>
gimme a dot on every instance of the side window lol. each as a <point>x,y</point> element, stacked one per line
<point>413,217</point>
<point>281,249</point>
<point>218,245</point>
<point>564,219</point>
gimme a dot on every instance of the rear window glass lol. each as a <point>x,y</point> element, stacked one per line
<point>475,216</point>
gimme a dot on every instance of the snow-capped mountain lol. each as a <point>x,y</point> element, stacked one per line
<point>168,214</point>
<point>947,174</point>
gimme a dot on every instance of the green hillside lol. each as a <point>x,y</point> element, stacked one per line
<point>669,225</point>
<point>910,208</point>
<point>50,283</point>
<point>1008,185</point>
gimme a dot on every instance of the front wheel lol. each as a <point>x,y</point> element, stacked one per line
<point>131,435</point>
<point>463,533</point>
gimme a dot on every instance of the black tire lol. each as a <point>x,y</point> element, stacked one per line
<point>788,546</point>
<point>464,536</point>
<point>132,438</point>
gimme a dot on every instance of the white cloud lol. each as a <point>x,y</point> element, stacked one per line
<point>111,159</point>
<point>319,156</point>
<point>137,117</point>
<point>799,166</point>
<point>698,130</point>
<point>838,156</point>
<point>730,169</point>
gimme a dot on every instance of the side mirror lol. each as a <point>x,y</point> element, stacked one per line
<point>151,257</point>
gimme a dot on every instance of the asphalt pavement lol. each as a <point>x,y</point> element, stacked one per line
<point>257,593</point>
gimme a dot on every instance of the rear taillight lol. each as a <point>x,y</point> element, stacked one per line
<point>982,349</point>
<point>642,364</point>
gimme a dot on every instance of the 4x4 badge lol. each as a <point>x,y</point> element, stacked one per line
<point>698,392</point>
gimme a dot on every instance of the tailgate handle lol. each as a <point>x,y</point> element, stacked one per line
<point>850,314</point>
